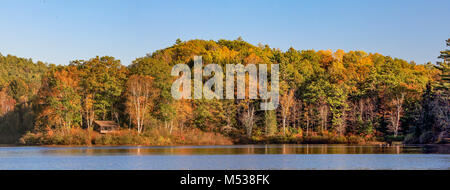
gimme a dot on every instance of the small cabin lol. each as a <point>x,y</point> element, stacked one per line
<point>106,126</point>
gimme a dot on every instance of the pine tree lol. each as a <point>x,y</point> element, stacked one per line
<point>444,66</point>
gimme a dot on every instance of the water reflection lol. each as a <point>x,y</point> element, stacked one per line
<point>239,149</point>
<point>227,157</point>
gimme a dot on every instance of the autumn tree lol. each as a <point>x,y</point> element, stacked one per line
<point>159,70</point>
<point>346,93</point>
<point>140,101</point>
<point>7,103</point>
<point>102,82</point>
<point>58,100</point>
<point>185,113</point>
<point>286,102</point>
<point>18,89</point>
<point>248,117</point>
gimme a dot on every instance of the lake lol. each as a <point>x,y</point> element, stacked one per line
<point>316,157</point>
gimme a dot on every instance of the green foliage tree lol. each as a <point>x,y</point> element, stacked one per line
<point>20,79</point>
<point>434,117</point>
<point>102,83</point>
<point>18,89</point>
<point>270,122</point>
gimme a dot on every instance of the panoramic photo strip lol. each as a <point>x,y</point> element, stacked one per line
<point>224,94</point>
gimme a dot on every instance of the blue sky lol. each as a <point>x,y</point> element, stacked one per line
<point>57,31</point>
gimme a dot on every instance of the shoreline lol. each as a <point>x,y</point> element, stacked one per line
<point>182,145</point>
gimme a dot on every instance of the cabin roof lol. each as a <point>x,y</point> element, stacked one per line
<point>106,123</point>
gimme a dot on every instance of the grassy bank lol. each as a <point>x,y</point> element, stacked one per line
<point>312,138</point>
<point>154,137</point>
<point>163,137</point>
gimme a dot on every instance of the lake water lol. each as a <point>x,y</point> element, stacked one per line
<point>227,157</point>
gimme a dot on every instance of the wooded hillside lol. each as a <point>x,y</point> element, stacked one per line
<point>325,97</point>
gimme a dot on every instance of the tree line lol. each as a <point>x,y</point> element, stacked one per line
<point>325,96</point>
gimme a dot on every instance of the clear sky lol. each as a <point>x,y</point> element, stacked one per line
<point>57,31</point>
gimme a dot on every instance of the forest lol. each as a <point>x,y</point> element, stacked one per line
<point>330,97</point>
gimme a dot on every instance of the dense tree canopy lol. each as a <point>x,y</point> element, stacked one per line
<point>323,94</point>
<point>20,80</point>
